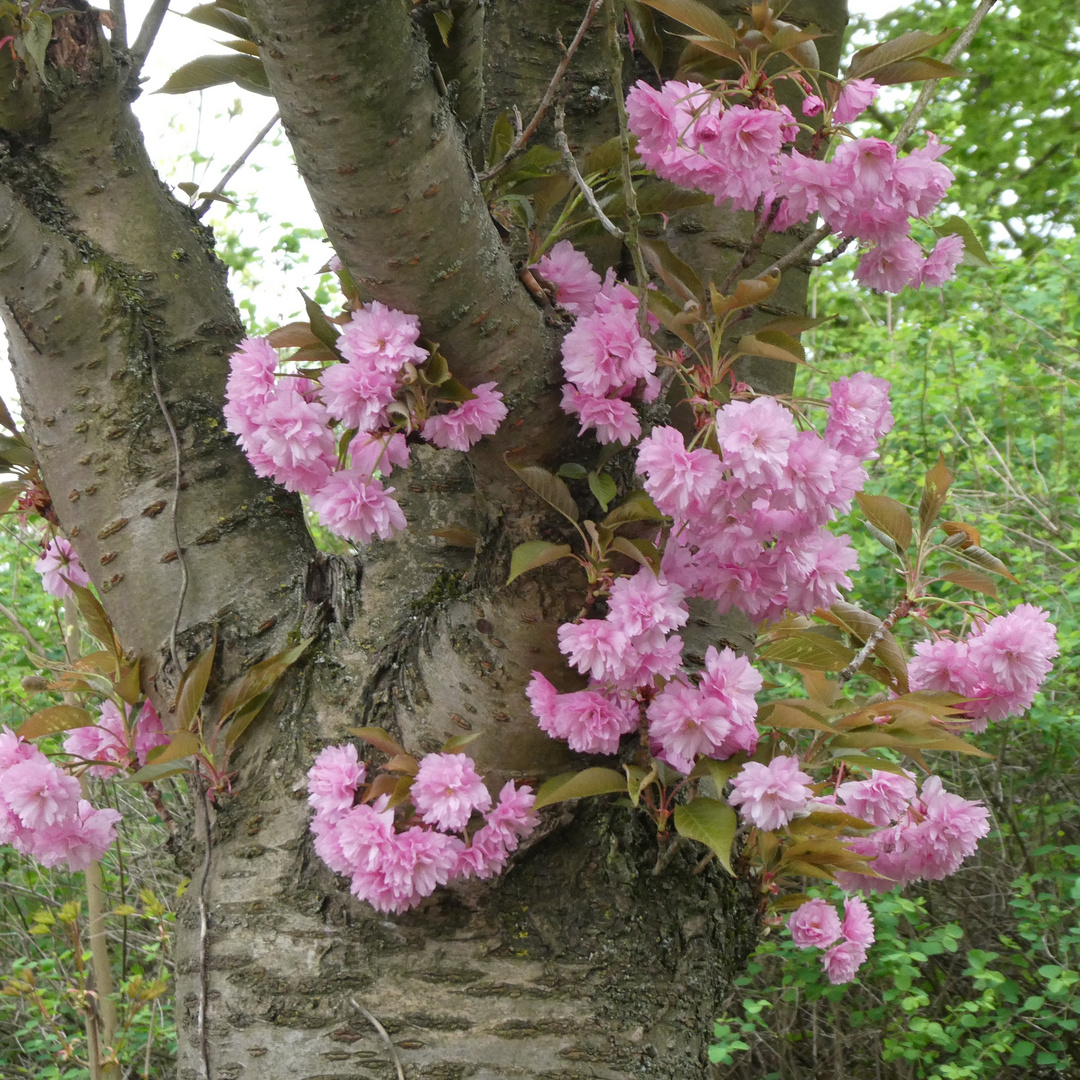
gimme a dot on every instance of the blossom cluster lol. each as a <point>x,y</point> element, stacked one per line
<point>605,357</point>
<point>393,863</point>
<point>864,191</point>
<point>749,523</point>
<point>285,425</point>
<point>816,924</point>
<point>926,836</point>
<point>997,668</point>
<point>42,812</point>
<point>114,743</point>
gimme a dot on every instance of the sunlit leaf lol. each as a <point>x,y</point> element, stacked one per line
<point>579,785</point>
<point>709,822</point>
<point>534,553</point>
<point>246,71</point>
<point>193,687</point>
<point>549,487</point>
<point>887,515</point>
<point>55,718</point>
<point>377,737</point>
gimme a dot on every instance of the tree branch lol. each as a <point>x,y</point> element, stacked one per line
<point>148,33</point>
<point>392,182</point>
<point>929,90</point>
<point>237,165</point>
<point>549,96</point>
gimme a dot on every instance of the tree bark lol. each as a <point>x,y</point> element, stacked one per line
<point>579,962</point>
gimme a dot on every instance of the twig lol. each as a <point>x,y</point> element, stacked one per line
<point>390,1047</point>
<point>571,167</point>
<point>176,499</point>
<point>902,608</point>
<point>929,90</point>
<point>633,218</point>
<point>119,23</point>
<point>666,856</point>
<point>754,249</point>
<point>549,95</point>
<point>30,639</point>
<point>204,933</point>
<point>804,247</point>
<point>841,246</point>
<point>147,33</point>
<point>237,165</point>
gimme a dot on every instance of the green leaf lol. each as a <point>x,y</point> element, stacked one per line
<point>502,138</point>
<point>127,683</point>
<point>645,36</point>
<point>640,550</point>
<point>603,488</point>
<point>973,250</point>
<point>534,553</point>
<point>444,20</point>
<point>458,742</point>
<point>697,16</point>
<point>247,72</point>
<point>15,450</point>
<point>377,737</point>
<point>549,487</point>
<point>10,490</point>
<point>157,771</point>
<point>710,822</point>
<point>982,558</point>
<point>637,779</point>
<point>658,197</point>
<point>262,677</point>
<point>810,650</point>
<point>193,687</point>
<point>220,18</point>
<point>579,785</point>
<point>916,69</point>
<point>6,418</point>
<point>679,276</point>
<point>97,622</point>
<point>181,744</point>
<point>35,38</point>
<point>970,579</point>
<point>55,718</point>
<point>935,492</point>
<point>572,471</point>
<point>242,718</point>
<point>637,506</point>
<point>321,326</point>
<point>788,717</point>
<point>875,57</point>
<point>774,345</point>
<point>889,516</point>
<point>748,292</point>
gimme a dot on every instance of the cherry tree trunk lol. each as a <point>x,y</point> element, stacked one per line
<point>580,961</point>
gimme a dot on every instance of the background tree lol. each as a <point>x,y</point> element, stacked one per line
<point>580,962</point>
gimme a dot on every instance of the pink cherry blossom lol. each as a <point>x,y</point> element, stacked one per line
<point>595,647</point>
<point>889,267</point>
<point>469,422</point>
<point>858,925</point>
<point>754,437</point>
<point>675,477</point>
<point>39,793</point>
<point>812,105</point>
<point>940,265</point>
<point>77,839</point>
<point>814,924</point>
<point>613,419</point>
<point>855,97</point>
<point>57,563</point>
<point>368,453</point>
<point>292,442</point>
<point>358,392</point>
<point>842,961</point>
<point>447,790</point>
<point>358,508</point>
<point>381,338</point>
<point>881,799</point>
<point>769,796</point>
<point>605,351</point>
<point>333,781</point>
<point>576,282</point>
<point>591,722</point>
